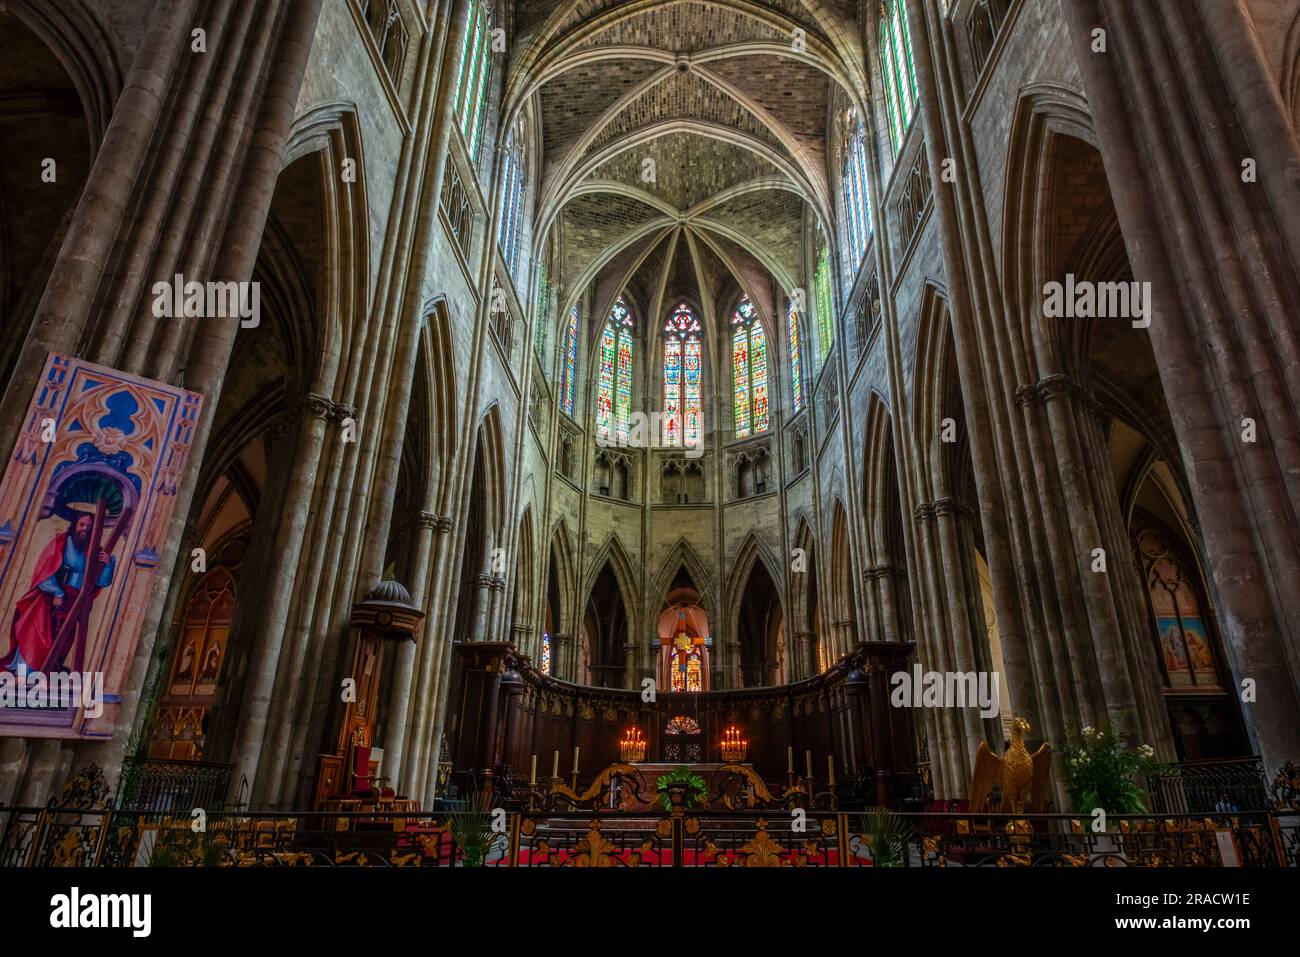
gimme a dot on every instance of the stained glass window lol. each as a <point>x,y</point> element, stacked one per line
<point>825,303</point>
<point>472,76</point>
<point>855,196</point>
<point>614,377</point>
<point>681,392</point>
<point>694,671</point>
<point>546,654</point>
<point>749,370</point>
<point>570,362</point>
<point>796,357</point>
<point>514,182</point>
<point>605,383</point>
<point>543,314</point>
<point>897,70</point>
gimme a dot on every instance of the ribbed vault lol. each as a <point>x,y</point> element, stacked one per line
<point>700,125</point>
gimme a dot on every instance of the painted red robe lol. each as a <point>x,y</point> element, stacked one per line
<point>34,628</point>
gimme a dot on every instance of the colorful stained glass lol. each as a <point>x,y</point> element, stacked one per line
<point>758,376</point>
<point>695,671</point>
<point>749,370</point>
<point>825,306</point>
<point>694,361</point>
<point>681,382</point>
<point>740,378</point>
<point>546,654</point>
<point>623,389</point>
<point>568,375</point>
<point>543,312</point>
<point>897,70</point>
<point>614,378</point>
<point>510,227</point>
<point>796,358</point>
<point>854,191</point>
<point>472,77</point>
<point>672,389</point>
<point>605,383</point>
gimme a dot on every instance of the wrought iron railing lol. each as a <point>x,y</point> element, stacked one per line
<point>695,838</point>
<point>157,785</point>
<point>1202,787</point>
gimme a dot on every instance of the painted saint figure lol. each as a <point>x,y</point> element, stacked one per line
<point>57,581</point>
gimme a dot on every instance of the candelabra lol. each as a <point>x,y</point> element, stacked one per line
<point>632,748</point>
<point>734,747</point>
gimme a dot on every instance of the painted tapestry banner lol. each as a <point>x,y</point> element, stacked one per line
<point>84,506</point>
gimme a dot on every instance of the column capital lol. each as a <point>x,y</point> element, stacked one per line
<point>317,406</point>
<point>950,506</point>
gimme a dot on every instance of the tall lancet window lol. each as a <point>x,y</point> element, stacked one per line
<point>569,361</point>
<point>896,70</point>
<point>796,357</point>
<point>514,183</point>
<point>682,361</point>
<point>825,305</point>
<point>472,76</point>
<point>749,369</point>
<point>853,187</point>
<point>614,377</point>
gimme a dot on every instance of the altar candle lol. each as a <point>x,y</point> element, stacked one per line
<point>575,760</point>
<point>807,755</point>
<point>555,767</point>
<point>532,777</point>
<point>830,769</point>
<point>789,759</point>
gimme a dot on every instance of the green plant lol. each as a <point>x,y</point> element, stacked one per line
<point>887,835</point>
<point>683,778</point>
<point>182,847</point>
<point>1100,772</point>
<point>471,829</point>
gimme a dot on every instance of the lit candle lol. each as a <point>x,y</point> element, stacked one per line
<point>532,777</point>
<point>789,759</point>
<point>830,769</point>
<point>555,767</point>
<point>808,759</point>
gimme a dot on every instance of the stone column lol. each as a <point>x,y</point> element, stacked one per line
<point>563,651</point>
<point>431,654</point>
<point>804,665</point>
<point>399,700</point>
<point>273,610</point>
<point>1224,296</point>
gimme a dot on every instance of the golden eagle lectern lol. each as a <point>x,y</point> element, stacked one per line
<point>1023,775</point>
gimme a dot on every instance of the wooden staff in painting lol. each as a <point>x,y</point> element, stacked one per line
<point>76,620</point>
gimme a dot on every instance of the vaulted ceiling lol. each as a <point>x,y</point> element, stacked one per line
<point>683,142</point>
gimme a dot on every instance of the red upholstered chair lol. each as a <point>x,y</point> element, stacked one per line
<point>359,772</point>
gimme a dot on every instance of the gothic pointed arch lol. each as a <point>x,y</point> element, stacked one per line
<point>682,555</point>
<point>843,632</point>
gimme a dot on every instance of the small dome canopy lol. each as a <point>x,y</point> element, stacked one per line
<point>389,590</point>
<point>388,611</point>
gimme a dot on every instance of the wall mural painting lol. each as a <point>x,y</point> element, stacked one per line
<point>84,506</point>
<point>1176,607</point>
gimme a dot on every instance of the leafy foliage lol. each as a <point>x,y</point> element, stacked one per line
<point>1100,772</point>
<point>695,787</point>
<point>887,835</point>
<point>471,829</point>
